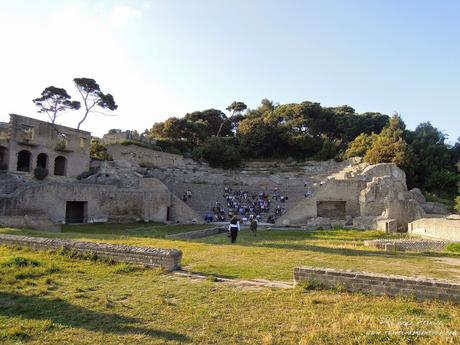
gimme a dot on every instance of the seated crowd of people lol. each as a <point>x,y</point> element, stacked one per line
<point>248,205</point>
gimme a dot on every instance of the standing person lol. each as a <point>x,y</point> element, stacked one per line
<point>253,225</point>
<point>234,227</point>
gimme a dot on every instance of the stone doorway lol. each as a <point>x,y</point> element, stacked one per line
<point>76,212</point>
<point>331,209</point>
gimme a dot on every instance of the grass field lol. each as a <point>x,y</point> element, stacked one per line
<point>270,255</point>
<point>47,298</point>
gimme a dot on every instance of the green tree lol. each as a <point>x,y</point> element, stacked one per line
<point>389,146</point>
<point>213,121</point>
<point>54,101</point>
<point>221,153</point>
<point>429,160</point>
<point>360,145</point>
<point>236,107</point>
<point>92,96</point>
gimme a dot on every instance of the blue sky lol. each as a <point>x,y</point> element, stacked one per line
<point>166,58</point>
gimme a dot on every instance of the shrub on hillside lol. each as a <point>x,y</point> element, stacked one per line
<point>40,173</point>
<point>457,203</point>
<point>389,146</point>
<point>360,145</point>
<point>329,149</point>
<point>222,153</point>
<point>98,151</point>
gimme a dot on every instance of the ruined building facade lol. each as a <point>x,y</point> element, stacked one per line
<point>27,143</point>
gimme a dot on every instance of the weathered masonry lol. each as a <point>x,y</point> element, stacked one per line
<point>379,284</point>
<point>27,143</point>
<point>168,259</point>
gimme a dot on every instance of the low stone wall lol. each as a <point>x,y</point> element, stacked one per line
<point>442,228</point>
<point>379,284</point>
<point>168,259</point>
<point>410,244</point>
<point>191,235</point>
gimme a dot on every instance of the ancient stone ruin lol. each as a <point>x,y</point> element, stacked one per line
<point>141,184</point>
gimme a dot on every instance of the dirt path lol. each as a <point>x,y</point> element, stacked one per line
<point>250,284</point>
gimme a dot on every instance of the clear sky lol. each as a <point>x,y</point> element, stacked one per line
<point>166,58</point>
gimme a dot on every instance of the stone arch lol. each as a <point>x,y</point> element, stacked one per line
<point>24,158</point>
<point>3,158</point>
<point>42,160</point>
<point>60,166</point>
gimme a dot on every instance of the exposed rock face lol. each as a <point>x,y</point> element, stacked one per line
<point>387,196</point>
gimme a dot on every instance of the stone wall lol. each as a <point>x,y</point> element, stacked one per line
<point>30,222</point>
<point>147,157</point>
<point>442,228</point>
<point>346,191</point>
<point>168,259</point>
<point>379,284</point>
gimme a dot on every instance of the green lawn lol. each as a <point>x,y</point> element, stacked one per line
<point>270,255</point>
<point>52,299</point>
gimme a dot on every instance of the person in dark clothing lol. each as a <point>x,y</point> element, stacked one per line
<point>234,228</point>
<point>253,226</point>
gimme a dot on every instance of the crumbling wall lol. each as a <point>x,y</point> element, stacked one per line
<point>331,191</point>
<point>147,157</point>
<point>378,284</point>
<point>41,223</point>
<point>39,137</point>
<point>168,259</point>
<point>105,202</point>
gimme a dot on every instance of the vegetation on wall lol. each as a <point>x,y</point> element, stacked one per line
<point>98,151</point>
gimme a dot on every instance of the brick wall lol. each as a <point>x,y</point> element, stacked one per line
<point>379,284</point>
<point>168,259</point>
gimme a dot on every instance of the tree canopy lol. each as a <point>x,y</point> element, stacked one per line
<point>308,130</point>
<point>92,96</point>
<point>54,101</point>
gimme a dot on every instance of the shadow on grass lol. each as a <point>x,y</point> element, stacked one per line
<point>66,314</point>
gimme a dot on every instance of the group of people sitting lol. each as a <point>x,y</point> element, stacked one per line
<point>247,205</point>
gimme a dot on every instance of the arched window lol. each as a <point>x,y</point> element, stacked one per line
<point>42,160</point>
<point>23,161</point>
<point>60,166</point>
<point>3,158</point>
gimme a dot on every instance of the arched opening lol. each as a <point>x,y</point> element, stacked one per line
<point>60,165</point>
<point>3,158</point>
<point>23,161</point>
<point>42,160</point>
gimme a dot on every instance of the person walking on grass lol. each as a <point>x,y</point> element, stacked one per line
<point>253,225</point>
<point>234,228</point>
